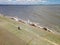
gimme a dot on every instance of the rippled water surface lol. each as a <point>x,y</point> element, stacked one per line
<point>48,16</point>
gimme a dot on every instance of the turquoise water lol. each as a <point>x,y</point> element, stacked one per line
<point>48,16</point>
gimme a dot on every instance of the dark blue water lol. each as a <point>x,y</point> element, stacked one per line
<point>48,16</point>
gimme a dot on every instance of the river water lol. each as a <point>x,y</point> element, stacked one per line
<point>48,16</point>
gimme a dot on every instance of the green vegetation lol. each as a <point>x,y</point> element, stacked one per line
<point>28,35</point>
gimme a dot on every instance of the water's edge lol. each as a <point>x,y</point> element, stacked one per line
<point>47,16</point>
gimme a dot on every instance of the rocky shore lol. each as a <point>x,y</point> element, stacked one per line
<point>34,24</point>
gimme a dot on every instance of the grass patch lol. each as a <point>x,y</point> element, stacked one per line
<point>29,34</point>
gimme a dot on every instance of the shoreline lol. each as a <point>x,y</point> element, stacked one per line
<point>34,24</point>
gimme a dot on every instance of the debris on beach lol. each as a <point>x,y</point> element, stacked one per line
<point>21,21</point>
<point>14,18</point>
<point>45,28</point>
<point>33,25</point>
<point>30,23</point>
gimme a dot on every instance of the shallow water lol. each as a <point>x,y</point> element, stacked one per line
<point>48,16</point>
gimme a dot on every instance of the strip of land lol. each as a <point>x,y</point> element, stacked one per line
<point>28,35</point>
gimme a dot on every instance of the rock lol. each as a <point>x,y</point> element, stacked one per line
<point>19,28</point>
<point>21,21</point>
<point>45,28</point>
<point>33,25</point>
